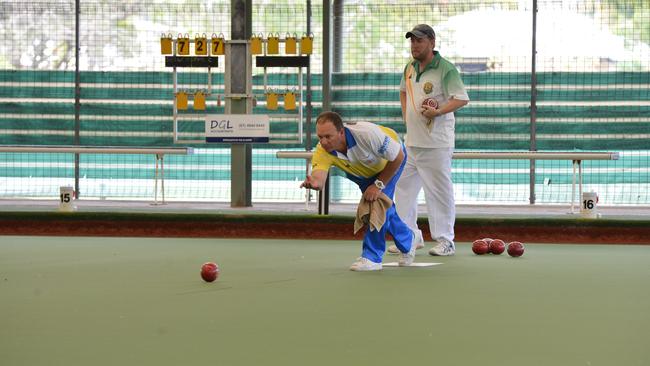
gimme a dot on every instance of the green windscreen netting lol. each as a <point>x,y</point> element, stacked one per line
<point>589,90</point>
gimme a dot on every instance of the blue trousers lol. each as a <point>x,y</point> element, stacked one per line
<point>374,242</point>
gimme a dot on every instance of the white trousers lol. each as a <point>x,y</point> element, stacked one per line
<point>428,168</point>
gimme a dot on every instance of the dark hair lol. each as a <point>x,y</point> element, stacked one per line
<point>333,117</point>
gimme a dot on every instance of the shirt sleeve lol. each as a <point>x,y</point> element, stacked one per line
<point>321,160</point>
<point>453,85</point>
<point>383,145</point>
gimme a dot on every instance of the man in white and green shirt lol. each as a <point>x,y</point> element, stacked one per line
<point>430,139</point>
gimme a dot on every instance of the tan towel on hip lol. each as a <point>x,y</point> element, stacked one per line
<point>372,213</point>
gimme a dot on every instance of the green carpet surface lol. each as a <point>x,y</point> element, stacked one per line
<point>127,301</point>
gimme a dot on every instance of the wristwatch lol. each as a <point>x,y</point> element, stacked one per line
<point>379,184</point>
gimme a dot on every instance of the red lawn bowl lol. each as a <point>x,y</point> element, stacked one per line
<point>487,240</point>
<point>497,246</point>
<point>430,102</point>
<point>209,271</point>
<point>515,249</point>
<point>480,247</point>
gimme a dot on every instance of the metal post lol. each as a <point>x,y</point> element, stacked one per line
<point>533,104</point>
<point>337,35</point>
<point>327,55</point>
<point>323,196</point>
<point>239,67</point>
<point>175,105</point>
<point>155,182</point>
<point>300,106</point>
<point>308,108</point>
<point>573,186</point>
<point>77,96</point>
<point>162,176</point>
<point>580,183</point>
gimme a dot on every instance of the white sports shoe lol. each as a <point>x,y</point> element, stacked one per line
<point>356,262</point>
<point>443,248</point>
<point>419,244</point>
<point>365,264</point>
<point>406,259</point>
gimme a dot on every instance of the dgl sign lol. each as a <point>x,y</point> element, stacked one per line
<point>224,124</point>
<point>234,128</point>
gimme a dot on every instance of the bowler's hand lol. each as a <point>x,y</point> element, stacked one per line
<point>430,112</point>
<point>310,183</point>
<point>372,193</point>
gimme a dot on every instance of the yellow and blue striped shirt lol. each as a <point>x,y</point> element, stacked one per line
<point>370,147</point>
